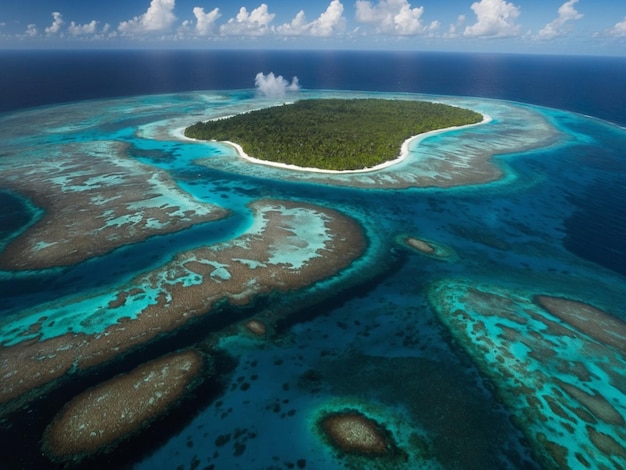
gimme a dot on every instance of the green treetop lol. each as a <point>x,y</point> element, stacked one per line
<point>332,134</point>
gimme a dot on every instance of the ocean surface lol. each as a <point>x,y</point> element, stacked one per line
<point>587,85</point>
<point>500,345</point>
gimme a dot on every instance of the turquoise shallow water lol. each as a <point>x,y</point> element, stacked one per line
<point>548,226</point>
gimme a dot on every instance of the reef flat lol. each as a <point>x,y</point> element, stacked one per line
<point>290,246</point>
<point>94,199</point>
<point>558,362</point>
<point>444,158</point>
<point>99,418</point>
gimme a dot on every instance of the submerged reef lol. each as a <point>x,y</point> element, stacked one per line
<point>290,246</point>
<point>592,321</point>
<point>435,415</point>
<point>558,363</point>
<point>94,200</point>
<point>101,417</point>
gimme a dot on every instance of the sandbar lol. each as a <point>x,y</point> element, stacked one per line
<point>420,245</point>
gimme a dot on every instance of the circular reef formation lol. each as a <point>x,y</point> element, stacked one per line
<point>256,327</point>
<point>354,433</point>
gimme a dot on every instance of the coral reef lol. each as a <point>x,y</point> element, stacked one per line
<point>95,200</point>
<point>355,433</point>
<point>290,246</point>
<point>428,248</point>
<point>256,327</point>
<point>99,418</point>
<point>559,363</point>
<point>420,245</point>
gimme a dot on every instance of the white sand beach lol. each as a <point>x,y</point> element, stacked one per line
<point>404,150</point>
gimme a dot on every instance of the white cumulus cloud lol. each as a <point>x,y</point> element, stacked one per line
<point>82,29</point>
<point>494,19</point>
<point>205,22</point>
<point>453,30</point>
<point>57,22</point>
<point>31,30</point>
<point>158,17</point>
<point>393,17</point>
<point>561,25</point>
<point>255,23</point>
<point>298,26</point>
<point>275,86</point>
<point>619,30</point>
<point>328,23</point>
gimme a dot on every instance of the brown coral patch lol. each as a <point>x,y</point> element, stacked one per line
<point>94,205</point>
<point>588,319</point>
<point>100,417</point>
<point>556,408</point>
<point>557,452</point>
<point>608,445</point>
<point>491,304</point>
<point>354,433</point>
<point>256,327</point>
<point>123,296</point>
<point>594,402</point>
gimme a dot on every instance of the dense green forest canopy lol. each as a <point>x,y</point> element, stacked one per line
<point>332,134</point>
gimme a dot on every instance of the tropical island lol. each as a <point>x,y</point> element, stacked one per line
<point>332,134</point>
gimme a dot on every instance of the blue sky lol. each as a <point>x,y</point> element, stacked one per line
<point>596,27</point>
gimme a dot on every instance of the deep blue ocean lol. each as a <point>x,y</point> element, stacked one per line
<point>587,85</point>
<point>455,354</point>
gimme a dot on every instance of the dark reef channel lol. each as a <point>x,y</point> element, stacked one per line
<point>35,287</point>
<point>600,217</point>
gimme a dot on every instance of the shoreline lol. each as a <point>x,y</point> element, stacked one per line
<point>404,150</point>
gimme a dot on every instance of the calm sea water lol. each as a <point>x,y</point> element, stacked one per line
<point>588,85</point>
<point>555,226</point>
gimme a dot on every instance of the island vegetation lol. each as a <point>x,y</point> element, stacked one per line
<point>332,134</point>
